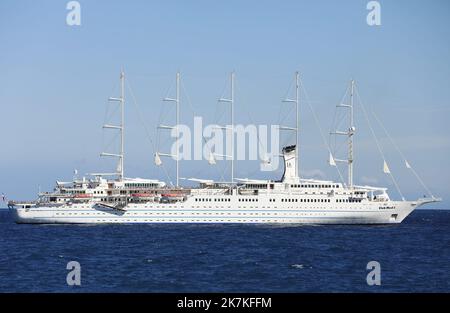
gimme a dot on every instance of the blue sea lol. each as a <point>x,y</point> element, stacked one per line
<point>414,257</point>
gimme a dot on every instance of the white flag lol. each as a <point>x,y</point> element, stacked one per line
<point>158,161</point>
<point>331,160</point>
<point>386,168</point>
<point>407,164</point>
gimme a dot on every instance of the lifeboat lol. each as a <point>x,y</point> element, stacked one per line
<point>141,195</point>
<point>248,192</point>
<point>82,196</point>
<point>144,196</point>
<point>171,197</point>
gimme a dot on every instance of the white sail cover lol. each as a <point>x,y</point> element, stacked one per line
<point>331,160</point>
<point>407,164</point>
<point>386,168</point>
<point>158,161</point>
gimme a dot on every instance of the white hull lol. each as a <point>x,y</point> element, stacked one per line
<point>391,212</point>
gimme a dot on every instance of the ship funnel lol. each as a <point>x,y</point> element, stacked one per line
<point>290,163</point>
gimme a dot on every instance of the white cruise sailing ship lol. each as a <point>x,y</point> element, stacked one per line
<point>291,199</point>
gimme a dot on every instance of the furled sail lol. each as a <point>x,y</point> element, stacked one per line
<point>158,161</point>
<point>211,159</point>
<point>331,160</point>
<point>407,164</point>
<point>386,168</point>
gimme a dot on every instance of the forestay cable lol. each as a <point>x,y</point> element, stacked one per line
<point>386,169</point>
<point>407,164</point>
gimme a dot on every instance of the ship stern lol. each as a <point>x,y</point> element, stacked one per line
<point>21,213</point>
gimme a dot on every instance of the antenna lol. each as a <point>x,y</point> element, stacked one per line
<point>120,169</point>
<point>176,100</point>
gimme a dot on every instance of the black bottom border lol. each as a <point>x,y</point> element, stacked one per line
<point>225,302</point>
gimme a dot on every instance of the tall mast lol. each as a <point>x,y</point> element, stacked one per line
<point>176,100</point>
<point>120,155</point>
<point>232,127</point>
<point>229,100</point>
<point>351,132</point>
<point>297,124</point>
<point>122,122</point>
<point>296,129</point>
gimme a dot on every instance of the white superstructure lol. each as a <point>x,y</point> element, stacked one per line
<point>290,200</point>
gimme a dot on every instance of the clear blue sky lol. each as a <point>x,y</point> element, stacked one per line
<point>55,79</point>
